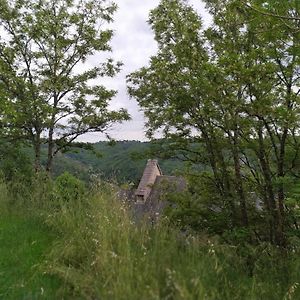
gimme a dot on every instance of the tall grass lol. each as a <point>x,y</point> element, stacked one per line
<point>100,253</point>
<point>103,254</point>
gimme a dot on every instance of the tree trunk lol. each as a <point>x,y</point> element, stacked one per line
<point>50,151</point>
<point>51,133</point>
<point>239,184</point>
<point>281,196</point>
<point>219,168</point>
<point>37,153</point>
<point>225,178</point>
<point>276,236</point>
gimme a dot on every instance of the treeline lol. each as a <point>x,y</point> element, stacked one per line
<point>234,88</point>
<point>226,100</point>
<point>122,162</point>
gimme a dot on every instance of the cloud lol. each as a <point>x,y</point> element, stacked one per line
<point>133,44</point>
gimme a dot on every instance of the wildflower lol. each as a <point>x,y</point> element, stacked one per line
<point>95,241</point>
<point>113,254</point>
<point>211,251</point>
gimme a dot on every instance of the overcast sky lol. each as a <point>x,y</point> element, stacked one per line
<point>133,44</point>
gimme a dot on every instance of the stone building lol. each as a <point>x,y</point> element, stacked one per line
<point>152,191</point>
<point>151,173</point>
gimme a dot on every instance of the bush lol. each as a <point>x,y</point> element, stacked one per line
<point>15,162</point>
<point>69,188</point>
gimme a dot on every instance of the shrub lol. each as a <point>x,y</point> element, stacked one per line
<point>69,188</point>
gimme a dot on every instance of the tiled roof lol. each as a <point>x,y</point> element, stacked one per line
<point>150,174</point>
<point>153,188</point>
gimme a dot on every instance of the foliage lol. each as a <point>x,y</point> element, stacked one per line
<point>14,161</point>
<point>124,162</point>
<point>234,89</point>
<point>69,188</point>
<point>48,95</point>
<point>227,101</point>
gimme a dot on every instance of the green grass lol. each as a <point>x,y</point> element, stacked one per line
<point>102,254</point>
<point>23,244</point>
<point>90,248</point>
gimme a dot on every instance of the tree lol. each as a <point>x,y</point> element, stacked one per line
<point>176,93</point>
<point>235,89</point>
<point>275,11</point>
<point>52,94</point>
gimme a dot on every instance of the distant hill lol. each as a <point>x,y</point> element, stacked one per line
<point>124,161</point>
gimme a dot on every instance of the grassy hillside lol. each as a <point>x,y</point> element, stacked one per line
<point>86,246</point>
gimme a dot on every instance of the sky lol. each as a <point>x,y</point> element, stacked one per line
<point>133,44</point>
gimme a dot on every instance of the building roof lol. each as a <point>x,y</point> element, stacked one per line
<point>148,179</point>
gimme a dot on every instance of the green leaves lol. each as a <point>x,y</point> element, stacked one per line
<point>235,87</point>
<point>44,50</point>
<point>168,87</point>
